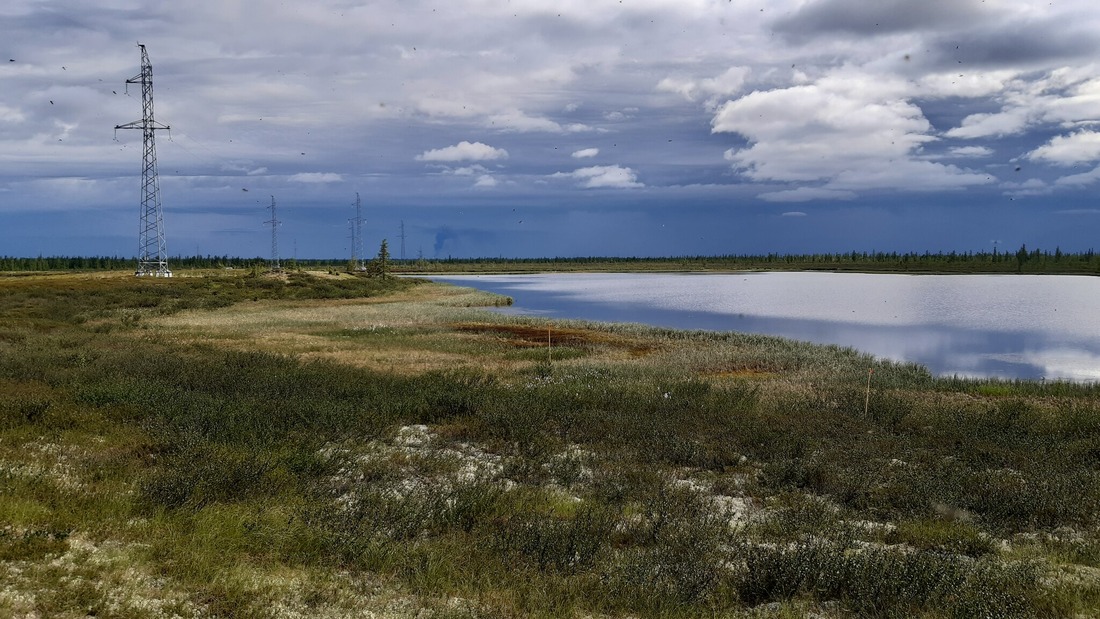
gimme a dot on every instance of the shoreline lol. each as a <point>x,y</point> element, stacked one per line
<point>978,330</point>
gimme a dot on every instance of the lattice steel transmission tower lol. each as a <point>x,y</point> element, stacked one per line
<point>152,255</point>
<point>357,236</point>
<point>353,262</point>
<point>274,221</point>
<point>402,239</point>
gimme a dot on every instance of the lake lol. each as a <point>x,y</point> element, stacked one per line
<point>1006,326</point>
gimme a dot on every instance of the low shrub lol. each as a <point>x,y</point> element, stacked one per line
<point>884,582</point>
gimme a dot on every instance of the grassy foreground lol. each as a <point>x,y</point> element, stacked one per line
<point>318,446</point>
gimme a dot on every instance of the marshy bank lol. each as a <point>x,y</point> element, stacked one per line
<point>242,446</point>
<point>1029,327</point>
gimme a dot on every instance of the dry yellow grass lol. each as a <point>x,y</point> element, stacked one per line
<point>357,332</point>
<point>426,328</point>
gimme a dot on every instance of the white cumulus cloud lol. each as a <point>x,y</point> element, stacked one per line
<point>850,130</point>
<point>970,84</point>
<point>10,114</point>
<point>815,131</point>
<point>1030,187</point>
<point>1080,147</point>
<point>486,180</point>
<point>464,151</point>
<point>246,168</point>
<point>585,153</point>
<point>1006,122</point>
<point>971,151</point>
<point>467,170</point>
<point>726,84</point>
<point>519,122</point>
<point>613,176</point>
<point>1079,180</point>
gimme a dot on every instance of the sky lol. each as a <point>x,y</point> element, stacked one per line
<point>529,128</point>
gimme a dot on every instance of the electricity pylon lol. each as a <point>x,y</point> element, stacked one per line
<point>402,239</point>
<point>357,237</point>
<point>353,263</point>
<point>152,255</point>
<point>274,238</point>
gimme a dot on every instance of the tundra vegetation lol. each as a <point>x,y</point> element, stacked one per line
<point>335,445</point>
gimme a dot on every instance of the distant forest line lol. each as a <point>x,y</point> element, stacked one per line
<point>1023,260</point>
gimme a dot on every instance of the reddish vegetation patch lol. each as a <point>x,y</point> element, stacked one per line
<point>528,336</point>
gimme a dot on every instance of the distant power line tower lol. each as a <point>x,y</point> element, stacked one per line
<point>274,238</point>
<point>353,262</point>
<point>402,239</point>
<point>152,255</point>
<point>357,236</point>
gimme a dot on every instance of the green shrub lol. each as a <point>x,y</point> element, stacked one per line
<point>882,582</point>
<point>32,544</point>
<point>195,475</point>
<point>942,535</point>
<point>551,541</point>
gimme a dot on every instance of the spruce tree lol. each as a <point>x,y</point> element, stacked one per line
<point>383,259</point>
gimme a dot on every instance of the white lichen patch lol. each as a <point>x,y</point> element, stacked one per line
<point>295,594</point>
<point>56,463</point>
<point>16,602</point>
<point>413,436</point>
<point>571,466</point>
<point>105,577</point>
<point>412,462</point>
<point>1075,577</point>
<point>871,526</point>
<point>739,509</point>
<point>110,579</point>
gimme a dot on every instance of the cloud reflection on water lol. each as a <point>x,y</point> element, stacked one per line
<point>966,325</point>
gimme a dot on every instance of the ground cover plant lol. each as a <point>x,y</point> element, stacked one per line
<point>322,444</point>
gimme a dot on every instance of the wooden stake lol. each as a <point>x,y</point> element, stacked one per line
<point>867,399</point>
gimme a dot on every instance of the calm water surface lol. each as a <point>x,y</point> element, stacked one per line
<point>1009,326</point>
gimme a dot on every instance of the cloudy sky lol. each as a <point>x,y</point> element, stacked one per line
<point>573,127</point>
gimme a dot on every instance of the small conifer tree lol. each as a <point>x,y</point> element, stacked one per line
<point>382,262</point>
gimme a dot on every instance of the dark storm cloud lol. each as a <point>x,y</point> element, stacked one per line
<point>1017,45</point>
<point>694,113</point>
<point>461,241</point>
<point>49,19</point>
<point>441,237</point>
<point>43,25</point>
<point>828,17</point>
